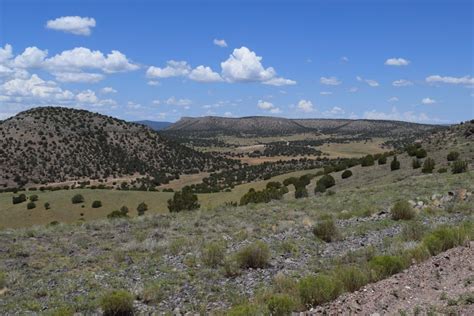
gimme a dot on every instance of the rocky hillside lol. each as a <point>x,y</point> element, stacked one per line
<point>52,144</point>
<point>262,126</point>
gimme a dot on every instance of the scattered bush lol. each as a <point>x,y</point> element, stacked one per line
<point>428,165</point>
<point>231,267</point>
<point>47,206</point>
<point>246,309</point>
<point>122,213</point>
<point>3,280</point>
<point>33,198</point>
<point>254,256</point>
<point>281,305</point>
<point>417,254</point>
<point>96,204</point>
<point>421,153</point>
<point>213,254</point>
<point>414,230</point>
<point>327,181</point>
<point>326,230</point>
<point>444,238</point>
<point>273,191</point>
<point>442,170</point>
<point>19,199</point>
<point>315,290</point>
<point>346,174</point>
<point>459,166</point>
<point>76,199</point>
<point>142,208</point>
<point>395,164</point>
<point>30,205</point>
<point>453,155</point>
<point>320,188</point>
<point>352,278</point>
<point>301,193</point>
<point>402,210</point>
<point>367,161</point>
<point>384,266</point>
<point>184,200</point>
<point>118,302</point>
<point>382,160</point>
<point>416,163</point>
<point>153,292</point>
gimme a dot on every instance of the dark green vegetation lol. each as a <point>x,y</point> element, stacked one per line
<point>116,303</point>
<point>184,200</point>
<point>273,191</point>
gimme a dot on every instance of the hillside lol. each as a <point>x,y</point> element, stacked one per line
<point>52,144</point>
<point>155,125</point>
<point>264,126</point>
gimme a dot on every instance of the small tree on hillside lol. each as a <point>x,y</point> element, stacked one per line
<point>382,160</point>
<point>459,166</point>
<point>416,163</point>
<point>421,153</point>
<point>453,155</point>
<point>428,165</point>
<point>395,164</point>
<point>76,199</point>
<point>142,208</point>
<point>367,161</point>
<point>184,200</point>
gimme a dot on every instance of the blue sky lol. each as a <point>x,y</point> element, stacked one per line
<point>160,60</point>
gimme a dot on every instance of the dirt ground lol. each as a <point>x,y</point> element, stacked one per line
<point>443,284</point>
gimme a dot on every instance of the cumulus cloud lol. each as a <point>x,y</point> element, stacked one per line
<point>107,90</point>
<point>402,83</point>
<point>393,99</point>
<point>178,102</point>
<point>353,89</point>
<point>397,62</point>
<point>78,77</point>
<point>173,69</point>
<point>335,111</point>
<point>428,101</point>
<point>370,82</point>
<point>72,24</point>
<point>332,81</point>
<point>6,53</point>
<point>305,106</point>
<point>32,57</point>
<point>268,106</point>
<point>153,83</point>
<point>243,65</point>
<point>395,115</point>
<point>220,42</point>
<point>466,80</point>
<point>204,74</point>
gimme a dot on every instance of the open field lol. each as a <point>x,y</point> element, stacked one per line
<point>353,149</point>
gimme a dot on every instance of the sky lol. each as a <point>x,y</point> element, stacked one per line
<point>162,60</point>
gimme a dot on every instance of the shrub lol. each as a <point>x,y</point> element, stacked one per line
<point>402,210</point>
<point>19,199</point>
<point>76,199</point>
<point>418,254</point>
<point>246,309</point>
<point>320,188</point>
<point>416,163</point>
<point>315,290</point>
<point>444,238</point>
<point>47,206</point>
<point>301,193</point>
<point>3,280</point>
<point>327,180</point>
<point>153,292</point>
<point>428,165</point>
<point>414,230</point>
<point>326,230</point>
<point>213,254</point>
<point>184,200</point>
<point>33,198</point>
<point>96,204</point>
<point>395,164</point>
<point>118,302</point>
<point>421,153</point>
<point>123,212</point>
<point>382,160</point>
<point>442,170</point>
<point>255,255</point>
<point>30,205</point>
<point>367,161</point>
<point>459,166</point>
<point>453,155</point>
<point>352,278</point>
<point>346,174</point>
<point>142,208</point>
<point>384,266</point>
<point>281,305</point>
<point>231,267</point>
<point>62,311</point>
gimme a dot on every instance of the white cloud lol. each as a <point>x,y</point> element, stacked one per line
<point>6,53</point>
<point>397,62</point>
<point>35,88</point>
<point>220,42</point>
<point>335,111</point>
<point>268,106</point>
<point>395,115</point>
<point>204,74</point>
<point>133,105</point>
<point>243,65</point>
<point>87,96</point>
<point>325,93</point>
<point>32,57</point>
<point>402,83</point>
<point>393,99</point>
<point>72,24</point>
<point>173,69</point>
<point>305,106</point>
<point>428,101</point>
<point>179,102</point>
<point>106,90</point>
<point>332,81</point>
<point>370,82</point>
<point>353,89</point>
<point>153,83</point>
<point>156,102</point>
<point>228,114</point>
<point>78,77</point>
<point>466,80</point>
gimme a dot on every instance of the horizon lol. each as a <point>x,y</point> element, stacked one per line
<point>330,60</point>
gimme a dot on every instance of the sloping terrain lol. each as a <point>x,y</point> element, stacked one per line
<point>155,125</point>
<point>52,144</point>
<point>263,126</point>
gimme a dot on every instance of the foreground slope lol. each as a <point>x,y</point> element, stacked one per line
<point>52,144</point>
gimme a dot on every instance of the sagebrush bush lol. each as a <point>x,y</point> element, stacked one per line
<point>3,280</point>
<point>281,305</point>
<point>402,210</point>
<point>459,166</point>
<point>384,266</point>
<point>444,238</point>
<point>33,198</point>
<point>30,205</point>
<point>351,277</point>
<point>442,170</point>
<point>382,160</point>
<point>96,204</point>
<point>246,309</point>
<point>428,165</point>
<point>117,302</point>
<point>416,163</point>
<point>231,267</point>
<point>326,230</point>
<point>421,153</point>
<point>452,156</point>
<point>395,164</point>
<point>142,208</point>
<point>254,256</point>
<point>367,161</point>
<point>414,230</point>
<point>213,254</point>
<point>315,290</point>
<point>417,254</point>
<point>76,199</point>
<point>153,292</point>
<point>346,174</point>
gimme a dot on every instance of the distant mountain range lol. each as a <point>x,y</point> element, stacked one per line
<point>155,125</point>
<point>264,125</point>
